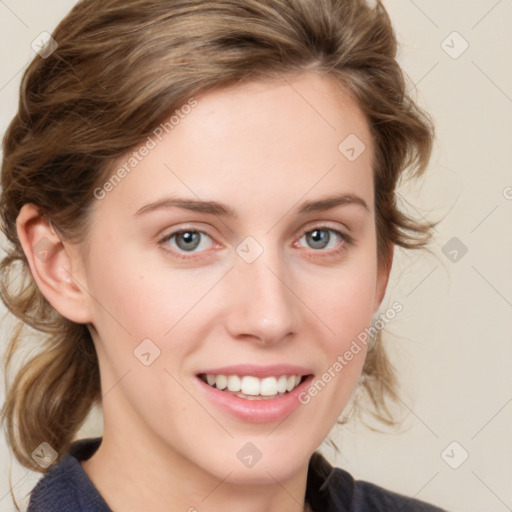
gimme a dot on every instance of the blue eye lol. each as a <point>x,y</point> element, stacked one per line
<point>321,238</point>
<point>187,240</point>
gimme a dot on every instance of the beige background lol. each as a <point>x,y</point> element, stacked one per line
<point>452,342</point>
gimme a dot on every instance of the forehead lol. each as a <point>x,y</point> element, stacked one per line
<point>260,143</point>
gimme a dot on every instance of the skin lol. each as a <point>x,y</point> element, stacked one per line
<point>261,149</point>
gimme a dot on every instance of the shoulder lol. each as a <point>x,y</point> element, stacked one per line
<point>331,489</point>
<point>368,497</point>
<point>66,487</point>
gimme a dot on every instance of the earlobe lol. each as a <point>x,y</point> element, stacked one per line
<point>51,265</point>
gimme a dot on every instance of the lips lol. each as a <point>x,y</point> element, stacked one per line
<point>252,393</point>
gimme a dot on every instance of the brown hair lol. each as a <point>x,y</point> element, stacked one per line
<point>120,67</point>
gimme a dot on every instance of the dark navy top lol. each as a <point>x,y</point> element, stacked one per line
<point>67,488</point>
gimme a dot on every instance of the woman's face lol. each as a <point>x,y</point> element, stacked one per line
<point>273,276</point>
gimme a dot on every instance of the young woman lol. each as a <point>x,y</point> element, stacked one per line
<point>200,199</point>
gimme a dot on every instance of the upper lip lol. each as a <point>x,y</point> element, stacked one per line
<point>258,371</point>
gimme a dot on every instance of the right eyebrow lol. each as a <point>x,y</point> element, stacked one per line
<point>212,207</point>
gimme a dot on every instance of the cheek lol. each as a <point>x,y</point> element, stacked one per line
<point>345,351</point>
<point>134,301</point>
<point>346,306</point>
<point>347,300</point>
<point>132,294</point>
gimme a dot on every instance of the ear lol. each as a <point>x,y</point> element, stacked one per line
<point>52,264</point>
<point>383,272</point>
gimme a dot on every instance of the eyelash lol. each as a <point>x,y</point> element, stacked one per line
<point>342,246</point>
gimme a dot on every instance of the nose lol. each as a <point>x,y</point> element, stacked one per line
<point>263,305</point>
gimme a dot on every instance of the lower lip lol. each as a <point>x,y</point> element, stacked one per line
<point>256,411</point>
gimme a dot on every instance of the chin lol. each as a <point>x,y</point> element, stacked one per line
<point>251,466</point>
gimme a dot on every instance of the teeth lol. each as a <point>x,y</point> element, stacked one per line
<point>268,386</point>
<point>281,384</point>
<point>290,383</point>
<point>234,383</point>
<point>250,386</point>
<point>221,381</point>
<point>253,388</point>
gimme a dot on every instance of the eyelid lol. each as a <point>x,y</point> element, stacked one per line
<point>182,229</point>
<point>186,230</point>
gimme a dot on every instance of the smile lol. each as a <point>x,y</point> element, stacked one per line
<point>250,387</point>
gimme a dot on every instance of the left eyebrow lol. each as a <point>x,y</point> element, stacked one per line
<point>216,208</point>
<point>329,202</point>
